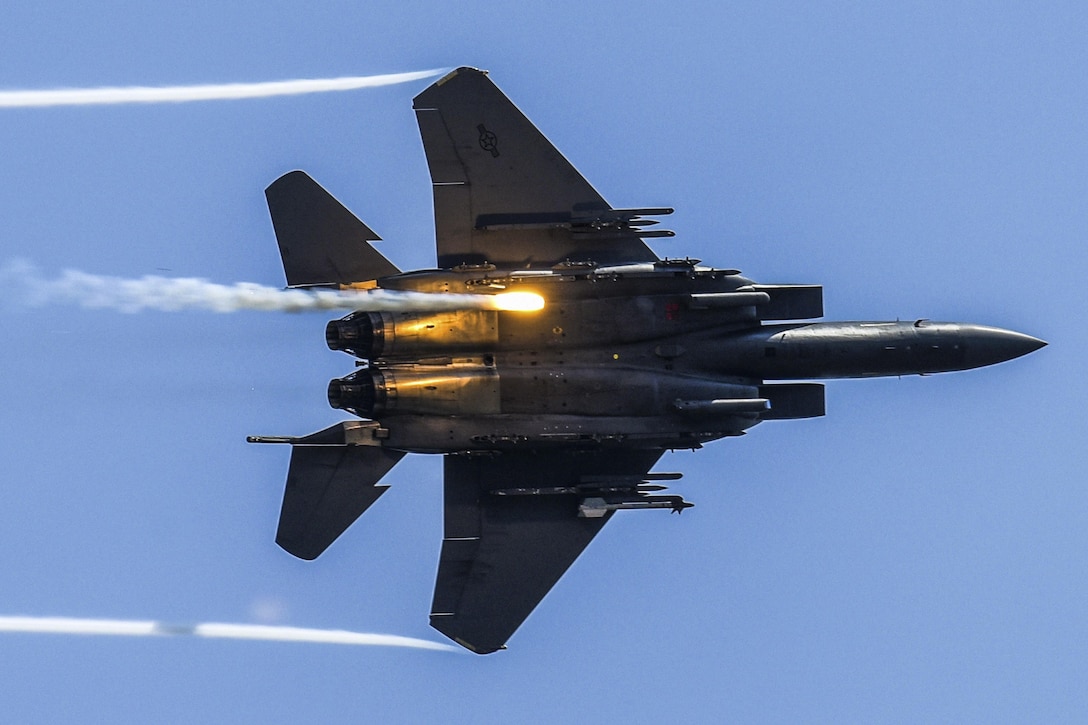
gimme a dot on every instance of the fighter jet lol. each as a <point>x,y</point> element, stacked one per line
<point>549,420</point>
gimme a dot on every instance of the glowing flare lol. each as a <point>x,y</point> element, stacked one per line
<point>519,301</point>
<point>21,284</point>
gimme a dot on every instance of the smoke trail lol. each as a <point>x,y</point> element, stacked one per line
<point>210,630</point>
<point>22,284</point>
<point>181,94</point>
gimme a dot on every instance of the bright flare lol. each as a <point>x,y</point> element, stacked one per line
<point>21,283</point>
<point>519,301</point>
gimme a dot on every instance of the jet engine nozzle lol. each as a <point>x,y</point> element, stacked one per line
<point>359,334</point>
<point>382,335</point>
<point>361,393</point>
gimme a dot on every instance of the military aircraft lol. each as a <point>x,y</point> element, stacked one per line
<point>549,420</point>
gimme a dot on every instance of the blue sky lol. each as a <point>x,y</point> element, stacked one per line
<point>915,555</point>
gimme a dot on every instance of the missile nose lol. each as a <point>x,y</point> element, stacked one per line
<point>990,345</point>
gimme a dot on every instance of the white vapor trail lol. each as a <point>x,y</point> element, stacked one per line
<point>20,282</point>
<point>210,630</point>
<point>181,94</point>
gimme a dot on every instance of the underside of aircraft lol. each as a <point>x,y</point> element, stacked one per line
<point>549,420</point>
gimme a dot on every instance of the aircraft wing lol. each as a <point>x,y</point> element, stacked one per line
<point>503,194</point>
<point>510,534</point>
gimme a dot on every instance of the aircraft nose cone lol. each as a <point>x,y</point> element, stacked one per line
<point>990,345</point>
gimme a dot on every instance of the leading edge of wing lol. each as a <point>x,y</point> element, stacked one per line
<point>502,192</point>
<point>503,553</point>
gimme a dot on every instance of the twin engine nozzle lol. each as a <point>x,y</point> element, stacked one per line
<point>373,335</point>
<point>361,334</point>
<point>362,392</point>
<point>384,337</point>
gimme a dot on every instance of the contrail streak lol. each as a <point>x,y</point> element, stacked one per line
<point>20,282</point>
<point>181,94</point>
<point>210,630</point>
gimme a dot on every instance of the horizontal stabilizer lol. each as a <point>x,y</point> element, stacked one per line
<point>329,486</point>
<point>321,242</point>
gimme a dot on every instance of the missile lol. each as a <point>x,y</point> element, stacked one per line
<point>714,300</point>
<point>728,406</point>
<point>595,507</point>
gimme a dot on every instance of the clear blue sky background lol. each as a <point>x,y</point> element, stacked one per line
<point>917,555</point>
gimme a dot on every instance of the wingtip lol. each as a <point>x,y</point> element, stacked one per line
<point>442,621</point>
<point>458,71</point>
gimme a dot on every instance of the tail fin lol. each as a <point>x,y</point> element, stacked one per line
<point>333,478</point>
<point>321,242</point>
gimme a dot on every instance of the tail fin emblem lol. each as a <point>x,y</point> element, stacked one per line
<point>488,141</point>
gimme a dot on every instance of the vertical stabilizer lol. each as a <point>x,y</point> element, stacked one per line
<point>321,242</point>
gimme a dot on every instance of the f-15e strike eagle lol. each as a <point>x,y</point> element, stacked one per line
<point>549,421</point>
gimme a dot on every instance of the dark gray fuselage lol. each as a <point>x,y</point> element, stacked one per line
<point>651,355</point>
